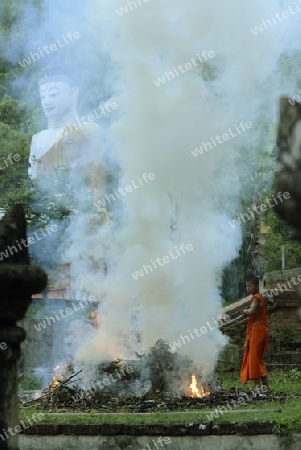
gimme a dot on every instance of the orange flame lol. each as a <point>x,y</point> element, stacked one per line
<point>94,315</point>
<point>57,378</point>
<point>195,391</point>
<point>55,382</point>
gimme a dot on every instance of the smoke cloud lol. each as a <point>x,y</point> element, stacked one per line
<point>155,131</point>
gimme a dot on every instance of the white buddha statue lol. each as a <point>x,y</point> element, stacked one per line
<point>67,143</point>
<point>71,148</point>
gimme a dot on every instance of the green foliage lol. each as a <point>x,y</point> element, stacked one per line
<point>254,170</point>
<point>287,420</point>
<point>30,384</point>
<point>16,114</point>
<point>33,311</point>
<point>281,234</point>
<point>294,374</point>
<point>208,71</point>
<point>21,116</point>
<point>280,381</point>
<point>13,141</point>
<point>288,335</point>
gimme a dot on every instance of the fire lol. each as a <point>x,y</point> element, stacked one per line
<point>195,391</point>
<point>57,377</point>
<point>94,315</point>
<point>55,382</point>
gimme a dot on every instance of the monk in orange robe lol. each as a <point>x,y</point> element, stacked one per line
<point>253,367</point>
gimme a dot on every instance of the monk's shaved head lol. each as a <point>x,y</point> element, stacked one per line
<point>253,279</point>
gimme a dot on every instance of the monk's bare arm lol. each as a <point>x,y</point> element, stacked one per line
<point>253,308</point>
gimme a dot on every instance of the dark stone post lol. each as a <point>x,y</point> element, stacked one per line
<point>288,172</point>
<point>18,281</point>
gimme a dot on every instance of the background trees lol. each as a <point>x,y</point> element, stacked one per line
<point>21,117</point>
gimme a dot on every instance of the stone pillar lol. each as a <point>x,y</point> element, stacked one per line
<point>18,281</point>
<point>288,171</point>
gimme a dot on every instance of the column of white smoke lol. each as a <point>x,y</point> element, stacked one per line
<point>159,127</point>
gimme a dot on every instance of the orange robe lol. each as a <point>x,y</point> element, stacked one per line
<point>256,344</point>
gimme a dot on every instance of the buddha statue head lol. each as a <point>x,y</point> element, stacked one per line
<point>58,94</point>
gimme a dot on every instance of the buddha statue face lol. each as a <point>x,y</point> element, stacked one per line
<point>58,100</point>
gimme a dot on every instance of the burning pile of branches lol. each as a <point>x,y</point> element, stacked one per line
<point>57,392</point>
<point>157,380</point>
